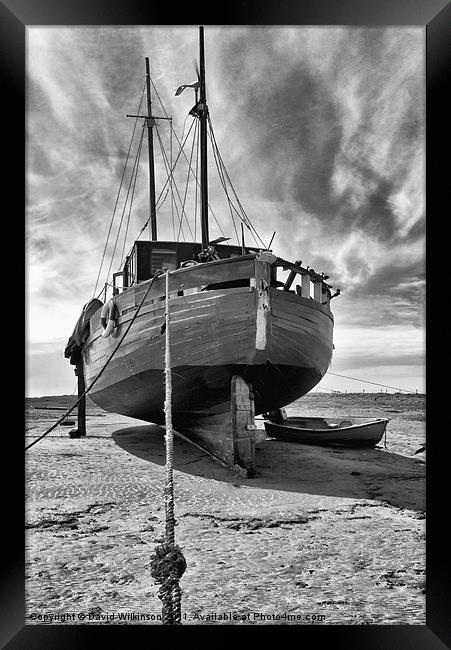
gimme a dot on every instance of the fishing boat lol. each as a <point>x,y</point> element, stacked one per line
<point>349,432</point>
<point>243,340</point>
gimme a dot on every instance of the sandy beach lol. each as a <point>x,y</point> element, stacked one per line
<point>321,535</point>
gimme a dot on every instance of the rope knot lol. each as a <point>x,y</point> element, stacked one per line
<point>167,567</point>
<point>168,564</point>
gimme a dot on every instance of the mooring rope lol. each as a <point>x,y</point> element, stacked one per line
<point>365,381</point>
<point>168,564</point>
<point>101,371</point>
<point>169,437</point>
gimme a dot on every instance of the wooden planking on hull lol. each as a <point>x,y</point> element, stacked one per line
<point>285,304</point>
<point>212,304</point>
<point>225,349</point>
<point>220,335</point>
<point>184,279</point>
<point>302,314</point>
<point>310,317</point>
<point>291,331</point>
<point>215,341</point>
<point>300,348</point>
<point>299,324</point>
<point>209,273</point>
<point>312,305</point>
<point>300,333</point>
<point>207,301</point>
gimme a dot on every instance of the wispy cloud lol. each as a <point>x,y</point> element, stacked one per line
<point>321,129</point>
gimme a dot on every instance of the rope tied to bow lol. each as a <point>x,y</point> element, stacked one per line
<point>168,564</point>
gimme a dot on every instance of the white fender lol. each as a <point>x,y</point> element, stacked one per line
<point>109,314</point>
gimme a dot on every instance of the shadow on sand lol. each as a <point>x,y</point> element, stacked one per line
<point>352,473</point>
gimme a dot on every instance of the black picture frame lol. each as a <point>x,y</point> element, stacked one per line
<point>435,16</point>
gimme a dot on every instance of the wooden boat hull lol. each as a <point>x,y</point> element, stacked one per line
<point>278,342</point>
<point>349,432</point>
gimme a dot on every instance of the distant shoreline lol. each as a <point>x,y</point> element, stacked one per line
<point>313,393</point>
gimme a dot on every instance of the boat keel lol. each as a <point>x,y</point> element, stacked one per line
<point>226,433</point>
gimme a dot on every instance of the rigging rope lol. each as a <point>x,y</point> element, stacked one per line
<point>168,564</point>
<point>169,177</point>
<point>244,218</point>
<point>364,381</point>
<point>223,174</point>
<point>187,180</point>
<point>172,181</point>
<point>186,158</point>
<point>101,371</point>
<point>135,168</point>
<point>168,180</point>
<point>119,192</point>
<point>170,184</point>
<point>224,187</point>
<point>131,201</point>
<point>196,188</point>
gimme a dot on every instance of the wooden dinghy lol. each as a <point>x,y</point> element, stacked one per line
<point>349,432</point>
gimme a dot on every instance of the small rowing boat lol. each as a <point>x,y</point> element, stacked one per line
<point>350,432</point>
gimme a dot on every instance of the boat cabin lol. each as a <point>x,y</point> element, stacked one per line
<point>149,258</point>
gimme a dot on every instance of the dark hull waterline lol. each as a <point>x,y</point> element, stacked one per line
<point>206,390</point>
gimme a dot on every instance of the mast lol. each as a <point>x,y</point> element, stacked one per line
<point>203,113</point>
<point>149,123</point>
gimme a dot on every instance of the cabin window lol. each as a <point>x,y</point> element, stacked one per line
<point>130,269</point>
<point>118,282</point>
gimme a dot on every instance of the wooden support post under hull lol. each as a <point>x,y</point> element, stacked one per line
<point>243,425</point>
<point>81,409</point>
<point>228,435</point>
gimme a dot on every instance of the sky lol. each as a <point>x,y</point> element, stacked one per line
<point>322,133</point>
